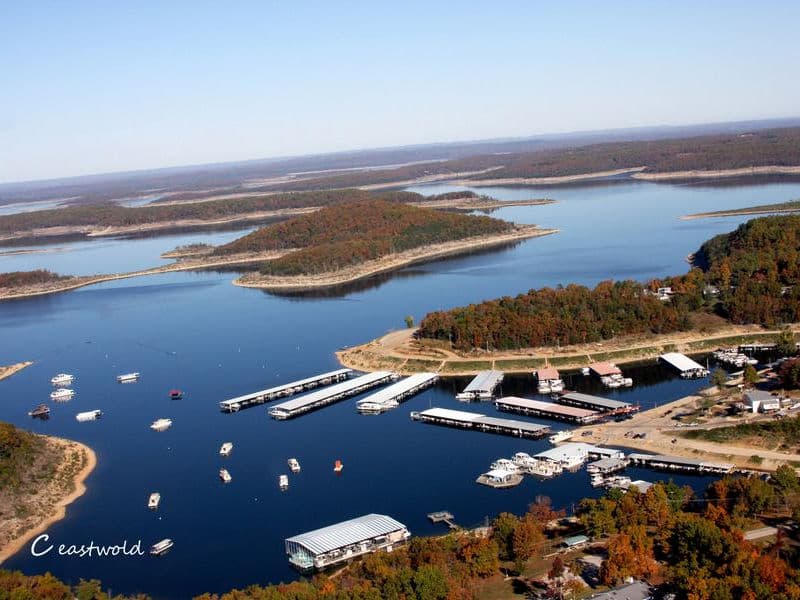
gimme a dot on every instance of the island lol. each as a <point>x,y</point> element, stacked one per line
<point>39,477</point>
<point>9,370</point>
<point>351,241</point>
<point>791,206</point>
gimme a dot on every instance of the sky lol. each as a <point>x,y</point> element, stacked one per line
<point>92,87</point>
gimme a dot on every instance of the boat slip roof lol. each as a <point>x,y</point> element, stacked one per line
<point>678,460</point>
<point>604,368</point>
<point>346,533</point>
<point>608,463</point>
<point>284,386</point>
<point>576,449</point>
<point>398,389</point>
<point>604,403</point>
<point>470,417</point>
<point>547,407</point>
<point>681,361</point>
<point>332,390</point>
<point>547,373</point>
<point>485,381</point>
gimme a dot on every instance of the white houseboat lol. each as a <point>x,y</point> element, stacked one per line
<point>225,449</point>
<point>161,424</point>
<point>62,379</point>
<point>62,394</point>
<point>283,482</point>
<point>128,378</point>
<point>89,415</point>
<point>154,501</point>
<point>294,465</point>
<point>161,547</point>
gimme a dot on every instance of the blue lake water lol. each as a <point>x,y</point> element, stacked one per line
<point>197,332</point>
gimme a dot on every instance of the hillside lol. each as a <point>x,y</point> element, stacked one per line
<point>348,234</point>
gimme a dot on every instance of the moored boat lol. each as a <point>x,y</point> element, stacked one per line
<point>294,465</point>
<point>161,424</point>
<point>89,415</point>
<point>62,394</point>
<point>161,547</point>
<point>500,479</point>
<point>560,436</point>
<point>42,412</point>
<point>225,449</point>
<point>128,378</point>
<point>154,500</point>
<point>338,466</point>
<point>225,476</point>
<point>283,482</point>
<point>175,394</point>
<point>62,379</point>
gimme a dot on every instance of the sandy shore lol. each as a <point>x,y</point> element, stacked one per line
<point>740,212</point>
<point>400,352</point>
<point>545,180</point>
<point>188,265</point>
<point>467,203</point>
<point>698,174</point>
<point>56,508</point>
<point>390,263</point>
<point>9,370</point>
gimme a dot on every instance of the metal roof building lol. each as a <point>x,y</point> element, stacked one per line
<point>546,373</point>
<point>343,541</point>
<point>604,369</point>
<point>681,362</point>
<point>480,422</point>
<point>549,410</point>
<point>592,402</point>
<point>482,386</point>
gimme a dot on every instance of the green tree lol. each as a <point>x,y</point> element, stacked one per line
<point>786,345</point>
<point>503,533</point>
<point>409,321</point>
<point>719,377</point>
<point>750,375</point>
<point>430,583</point>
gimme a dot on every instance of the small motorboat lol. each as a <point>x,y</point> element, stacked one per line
<point>128,378</point>
<point>161,547</point>
<point>225,476</point>
<point>338,466</point>
<point>154,501</point>
<point>294,465</point>
<point>283,482</point>
<point>41,412</point>
<point>175,394</point>
<point>161,424</point>
<point>225,449</point>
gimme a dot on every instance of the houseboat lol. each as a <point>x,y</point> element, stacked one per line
<point>128,378</point>
<point>294,465</point>
<point>283,482</point>
<point>161,424</point>
<point>225,476</point>
<point>504,464</point>
<point>154,501</point>
<point>42,411</point>
<point>225,449</point>
<point>548,381</point>
<point>89,415</point>
<point>500,479</point>
<point>560,436</point>
<point>62,394</point>
<point>161,547</point>
<point>62,379</point>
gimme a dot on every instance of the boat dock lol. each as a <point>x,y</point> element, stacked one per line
<point>549,410</point>
<point>479,422</point>
<point>684,365</point>
<point>482,387</point>
<point>443,516</point>
<point>334,393</point>
<point>603,405</point>
<point>281,391</point>
<point>391,396</point>
<point>604,466</point>
<point>678,463</point>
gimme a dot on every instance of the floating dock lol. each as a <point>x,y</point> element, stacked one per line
<point>334,393</point>
<point>281,391</point>
<point>604,466</point>
<point>678,463</point>
<point>443,516</point>
<point>548,410</point>
<point>478,422</point>
<point>684,365</point>
<point>482,387</point>
<point>391,396</point>
<point>603,405</point>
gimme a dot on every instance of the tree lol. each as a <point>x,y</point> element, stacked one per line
<point>409,321</point>
<point>790,373</point>
<point>430,583</point>
<point>719,377</point>
<point>786,344</point>
<point>750,376</point>
<point>528,538</point>
<point>503,533</point>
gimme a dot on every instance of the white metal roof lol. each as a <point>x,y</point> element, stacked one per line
<point>485,381</point>
<point>284,386</point>
<point>399,388</point>
<point>453,415</point>
<point>606,403</point>
<point>346,533</point>
<point>565,451</point>
<point>332,390</point>
<point>550,407</point>
<point>681,361</point>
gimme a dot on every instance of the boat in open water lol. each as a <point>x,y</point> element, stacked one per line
<point>294,465</point>
<point>283,482</point>
<point>338,466</point>
<point>62,379</point>
<point>154,500</point>
<point>175,394</point>
<point>41,412</point>
<point>161,547</point>
<point>225,449</point>
<point>161,424</point>
<point>89,415</point>
<point>128,378</point>
<point>62,394</point>
<point>225,476</point>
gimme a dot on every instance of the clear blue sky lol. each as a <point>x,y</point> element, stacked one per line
<point>102,86</point>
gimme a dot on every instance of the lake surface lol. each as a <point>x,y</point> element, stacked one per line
<point>197,332</point>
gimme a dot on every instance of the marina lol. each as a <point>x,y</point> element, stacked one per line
<point>391,396</point>
<point>603,405</point>
<point>688,368</point>
<point>480,422</point>
<point>548,410</point>
<point>335,393</point>
<point>610,375</point>
<point>548,381</point>
<point>605,466</point>
<point>284,390</point>
<point>339,543</point>
<point>678,463</point>
<point>482,387</point>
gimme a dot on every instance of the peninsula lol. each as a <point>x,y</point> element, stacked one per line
<point>792,206</point>
<point>39,477</point>
<point>9,370</point>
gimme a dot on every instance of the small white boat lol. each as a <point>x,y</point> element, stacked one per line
<point>89,415</point>
<point>294,465</point>
<point>225,476</point>
<point>161,547</point>
<point>504,464</point>
<point>560,436</point>
<point>154,501</point>
<point>283,482</point>
<point>128,378</point>
<point>225,449</point>
<point>161,424</point>
<point>62,394</point>
<point>585,371</point>
<point>597,480</point>
<point>62,379</point>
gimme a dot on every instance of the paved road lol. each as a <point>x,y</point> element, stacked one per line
<point>762,532</point>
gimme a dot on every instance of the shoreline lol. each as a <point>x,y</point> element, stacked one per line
<point>398,351</point>
<point>719,173</point>
<point>83,281</point>
<point>739,212</point>
<point>59,510</point>
<point>391,262</point>
<point>9,370</point>
<point>550,180</point>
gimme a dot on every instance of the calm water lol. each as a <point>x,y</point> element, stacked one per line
<point>214,340</point>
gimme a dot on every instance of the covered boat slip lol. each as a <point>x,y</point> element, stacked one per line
<point>548,410</point>
<point>385,398</point>
<point>679,463</point>
<point>343,541</point>
<point>479,422</point>
<point>286,389</point>
<point>597,403</point>
<point>329,395</point>
<point>482,387</point>
<point>685,365</point>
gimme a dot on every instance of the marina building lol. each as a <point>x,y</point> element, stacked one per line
<point>479,422</point>
<point>688,368</point>
<point>482,387</point>
<point>548,410</point>
<point>344,541</point>
<point>761,401</point>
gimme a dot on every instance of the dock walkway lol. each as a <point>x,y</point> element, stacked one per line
<point>284,390</point>
<point>549,410</point>
<point>482,387</point>
<point>390,396</point>
<point>479,422</point>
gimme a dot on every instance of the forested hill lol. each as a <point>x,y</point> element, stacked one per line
<point>347,234</point>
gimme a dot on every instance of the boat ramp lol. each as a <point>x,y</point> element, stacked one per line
<point>479,422</point>
<point>281,391</point>
<point>482,387</point>
<point>391,396</point>
<point>604,405</point>
<point>688,368</point>
<point>549,410</point>
<point>678,463</point>
<point>329,395</point>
